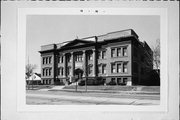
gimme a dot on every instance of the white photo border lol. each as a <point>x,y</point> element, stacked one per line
<point>21,56</point>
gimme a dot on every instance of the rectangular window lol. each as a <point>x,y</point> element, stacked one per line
<point>50,71</point>
<point>62,59</point>
<point>43,72</point>
<point>125,80</point>
<point>90,69</point>
<point>99,69</point>
<point>113,52</point>
<point>68,58</point>
<point>62,71</point>
<point>125,67</point>
<point>46,72</point>
<point>49,60</point>
<point>119,81</point>
<point>125,51</point>
<point>113,68</point>
<point>78,58</point>
<point>103,69</point>
<point>58,71</point>
<point>118,52</point>
<point>113,80</point>
<point>68,70</point>
<point>119,69</point>
<point>90,56</point>
<point>44,60</point>
<point>103,54</point>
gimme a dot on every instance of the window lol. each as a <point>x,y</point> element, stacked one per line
<point>60,59</point>
<point>125,67</point>
<point>119,69</point>
<point>103,54</point>
<point>68,70</point>
<point>119,81</point>
<point>90,69</point>
<point>125,51</point>
<point>58,72</point>
<point>118,52</point>
<point>68,58</point>
<point>90,56</point>
<point>99,68</point>
<point>103,69</point>
<point>44,60</point>
<point>113,68</point>
<point>125,80</point>
<point>62,71</point>
<point>78,58</point>
<point>113,52</point>
<point>49,60</point>
<point>113,80</point>
<point>43,72</point>
<point>50,71</point>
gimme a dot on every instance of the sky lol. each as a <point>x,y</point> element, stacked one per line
<point>49,29</point>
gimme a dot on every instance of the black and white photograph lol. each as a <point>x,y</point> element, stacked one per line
<point>93,60</point>
<point>106,60</point>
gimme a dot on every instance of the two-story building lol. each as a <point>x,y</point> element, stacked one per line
<point>117,57</point>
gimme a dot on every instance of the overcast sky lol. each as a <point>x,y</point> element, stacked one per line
<point>48,29</point>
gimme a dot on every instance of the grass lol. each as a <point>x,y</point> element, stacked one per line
<point>118,88</point>
<point>36,87</point>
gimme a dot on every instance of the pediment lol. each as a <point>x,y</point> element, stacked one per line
<point>77,42</point>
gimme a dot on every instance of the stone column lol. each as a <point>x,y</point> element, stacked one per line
<point>94,62</point>
<point>72,67</point>
<point>64,64</point>
<point>84,64</point>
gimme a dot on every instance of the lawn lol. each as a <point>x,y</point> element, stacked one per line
<point>118,88</point>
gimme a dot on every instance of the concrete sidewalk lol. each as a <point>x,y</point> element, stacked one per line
<point>108,91</point>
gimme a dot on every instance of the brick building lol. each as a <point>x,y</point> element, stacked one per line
<point>117,57</point>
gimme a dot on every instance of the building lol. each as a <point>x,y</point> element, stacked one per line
<point>117,57</point>
<point>34,79</point>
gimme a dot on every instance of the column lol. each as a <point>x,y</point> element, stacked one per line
<point>94,62</point>
<point>72,66</point>
<point>121,51</point>
<point>84,63</point>
<point>65,69</point>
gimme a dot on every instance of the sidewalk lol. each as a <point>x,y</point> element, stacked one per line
<point>107,91</point>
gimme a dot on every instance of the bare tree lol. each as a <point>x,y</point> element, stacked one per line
<point>29,71</point>
<point>156,54</point>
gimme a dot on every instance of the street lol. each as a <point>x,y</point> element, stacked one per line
<point>34,97</point>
